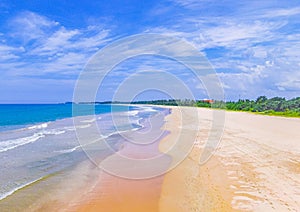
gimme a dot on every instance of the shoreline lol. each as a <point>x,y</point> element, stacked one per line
<point>116,193</point>
<point>251,169</point>
<point>85,186</point>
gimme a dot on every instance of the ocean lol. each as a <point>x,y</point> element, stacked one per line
<point>37,141</point>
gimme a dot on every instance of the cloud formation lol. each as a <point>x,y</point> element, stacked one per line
<point>254,47</point>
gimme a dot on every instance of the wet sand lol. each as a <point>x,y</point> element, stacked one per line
<point>117,194</point>
<point>126,189</point>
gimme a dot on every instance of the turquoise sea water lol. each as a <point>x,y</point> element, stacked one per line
<point>13,116</point>
<point>39,140</point>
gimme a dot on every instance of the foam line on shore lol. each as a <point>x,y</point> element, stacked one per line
<point>5,195</point>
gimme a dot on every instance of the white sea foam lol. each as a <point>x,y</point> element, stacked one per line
<point>70,128</point>
<point>88,120</point>
<point>99,139</point>
<point>53,132</point>
<point>83,126</point>
<point>14,143</point>
<point>39,126</point>
<point>2,196</point>
<point>69,150</point>
<point>133,112</point>
<point>138,122</point>
<point>148,109</point>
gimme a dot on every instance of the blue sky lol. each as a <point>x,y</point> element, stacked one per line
<point>254,46</point>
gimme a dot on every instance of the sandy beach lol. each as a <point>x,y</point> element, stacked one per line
<point>255,167</point>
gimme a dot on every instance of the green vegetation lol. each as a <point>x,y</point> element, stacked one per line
<point>274,106</point>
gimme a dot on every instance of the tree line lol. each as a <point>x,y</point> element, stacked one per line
<point>263,105</point>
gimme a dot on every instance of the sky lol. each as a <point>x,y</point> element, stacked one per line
<point>253,45</point>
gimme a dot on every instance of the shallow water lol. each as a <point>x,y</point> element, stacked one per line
<point>37,151</point>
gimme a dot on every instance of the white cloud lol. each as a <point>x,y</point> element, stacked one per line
<point>70,63</point>
<point>58,41</point>
<point>193,4</point>
<point>29,25</point>
<point>290,85</point>
<point>239,35</point>
<point>255,46</point>
<point>281,12</point>
<point>53,48</point>
<point>9,52</point>
<point>94,41</point>
<point>62,40</point>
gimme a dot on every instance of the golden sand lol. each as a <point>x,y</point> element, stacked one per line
<point>117,194</point>
<point>254,168</point>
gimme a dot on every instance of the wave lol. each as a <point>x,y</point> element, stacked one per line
<point>92,142</point>
<point>88,120</point>
<point>3,196</point>
<point>72,128</point>
<point>148,109</point>
<point>133,112</point>
<point>39,126</point>
<point>53,132</point>
<point>83,126</point>
<point>14,143</point>
<point>45,131</point>
<point>69,150</point>
<point>138,122</point>
<point>101,138</point>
